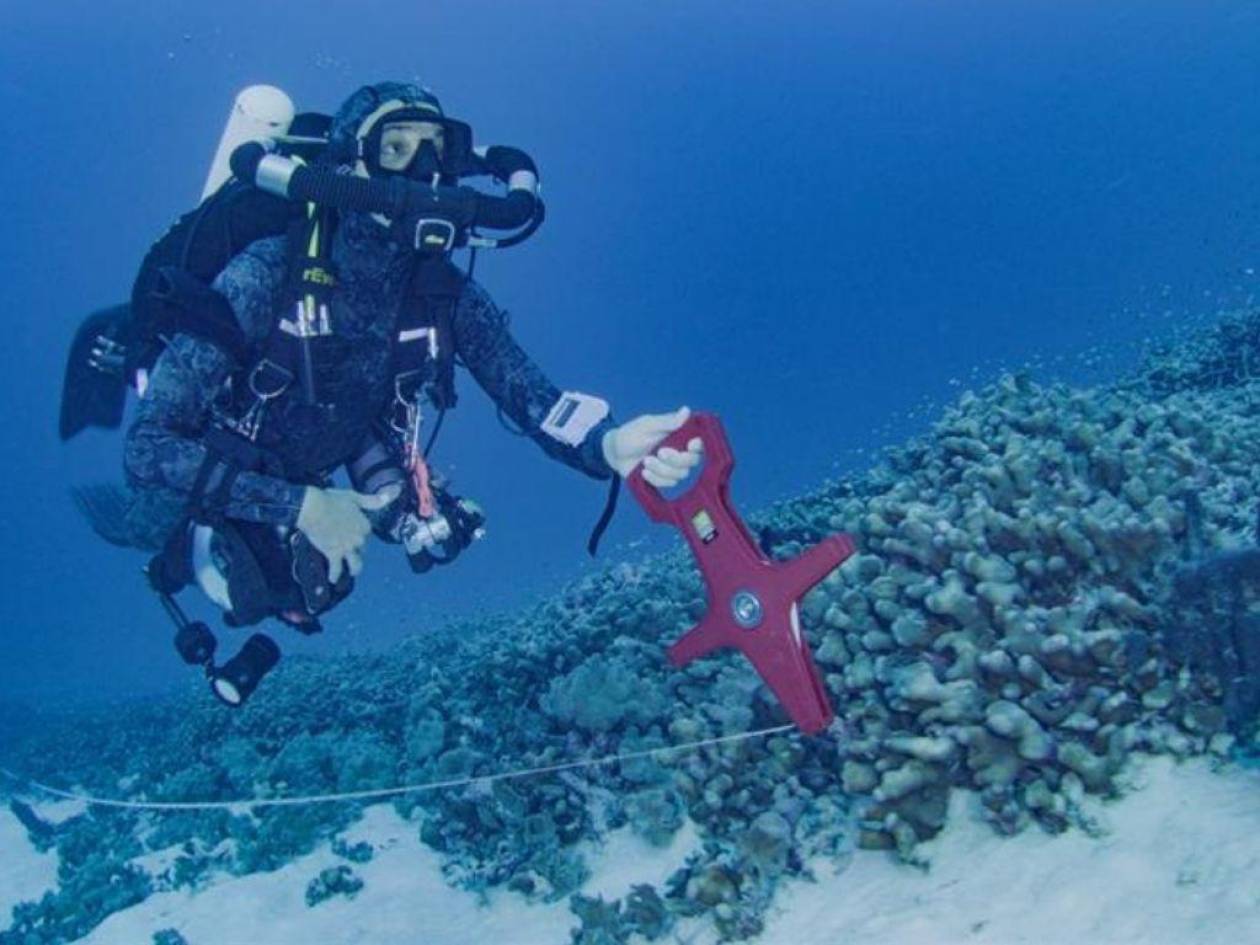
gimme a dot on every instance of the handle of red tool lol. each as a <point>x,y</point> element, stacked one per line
<point>718,463</point>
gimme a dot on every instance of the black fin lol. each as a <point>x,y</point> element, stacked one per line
<point>106,508</point>
<point>89,397</point>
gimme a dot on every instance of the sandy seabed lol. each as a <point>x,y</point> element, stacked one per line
<point>1178,862</point>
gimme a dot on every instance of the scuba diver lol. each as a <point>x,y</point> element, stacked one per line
<point>329,342</point>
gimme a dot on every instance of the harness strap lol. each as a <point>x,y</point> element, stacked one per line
<point>444,391</point>
<point>227,456</point>
<point>211,465</point>
<point>195,309</point>
<point>428,315</point>
<point>315,281</point>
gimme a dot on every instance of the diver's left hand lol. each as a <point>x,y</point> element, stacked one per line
<point>634,442</point>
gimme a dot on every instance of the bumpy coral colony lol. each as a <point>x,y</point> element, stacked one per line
<point>1049,581</point>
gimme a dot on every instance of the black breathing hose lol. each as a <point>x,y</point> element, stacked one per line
<point>395,197</point>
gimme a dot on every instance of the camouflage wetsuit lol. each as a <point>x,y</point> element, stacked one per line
<point>165,448</point>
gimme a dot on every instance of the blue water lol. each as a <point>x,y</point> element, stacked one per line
<point>817,219</point>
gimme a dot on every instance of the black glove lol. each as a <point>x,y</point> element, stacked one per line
<point>245,160</point>
<point>503,162</point>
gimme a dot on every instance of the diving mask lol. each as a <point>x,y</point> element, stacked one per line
<point>414,148</point>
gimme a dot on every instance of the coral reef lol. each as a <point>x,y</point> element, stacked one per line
<point>334,881</point>
<point>360,852</point>
<point>1209,625</point>
<point>1049,580</point>
<point>640,913</point>
<point>603,693</point>
<point>43,835</point>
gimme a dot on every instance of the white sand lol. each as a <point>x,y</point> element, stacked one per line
<point>404,898</point>
<point>24,873</point>
<point>1180,864</point>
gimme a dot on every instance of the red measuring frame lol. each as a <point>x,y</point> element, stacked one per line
<point>752,600</point>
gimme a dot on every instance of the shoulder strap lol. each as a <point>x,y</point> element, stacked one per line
<point>426,332</point>
<point>312,278</point>
<point>193,308</point>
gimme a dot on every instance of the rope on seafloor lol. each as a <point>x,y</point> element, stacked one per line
<point>381,793</point>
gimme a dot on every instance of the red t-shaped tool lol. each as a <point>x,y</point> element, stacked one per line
<point>752,600</point>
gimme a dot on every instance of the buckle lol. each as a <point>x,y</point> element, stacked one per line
<point>434,235</point>
<point>407,387</point>
<point>269,380</point>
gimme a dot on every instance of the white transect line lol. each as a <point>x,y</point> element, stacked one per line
<point>381,792</point>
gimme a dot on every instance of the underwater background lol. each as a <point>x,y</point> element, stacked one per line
<point>824,222</point>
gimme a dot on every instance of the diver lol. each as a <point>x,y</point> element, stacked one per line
<point>340,353</point>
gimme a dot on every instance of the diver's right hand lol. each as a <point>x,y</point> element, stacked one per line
<point>333,521</point>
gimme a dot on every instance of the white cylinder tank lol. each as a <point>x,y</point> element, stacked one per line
<point>260,111</point>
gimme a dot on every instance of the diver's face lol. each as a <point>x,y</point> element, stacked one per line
<point>401,141</point>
